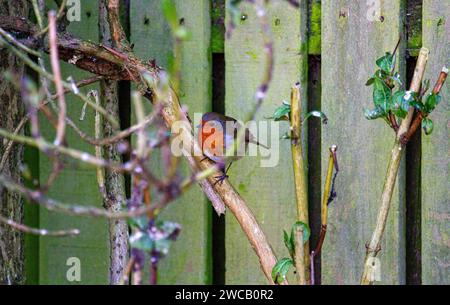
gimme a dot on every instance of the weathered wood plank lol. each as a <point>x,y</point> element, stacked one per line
<point>435,148</point>
<point>269,191</point>
<point>352,39</point>
<point>75,185</point>
<point>189,260</point>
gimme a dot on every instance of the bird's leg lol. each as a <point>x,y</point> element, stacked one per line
<point>221,178</point>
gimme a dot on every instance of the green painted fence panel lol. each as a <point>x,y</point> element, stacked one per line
<point>268,191</point>
<point>435,148</point>
<point>354,35</point>
<point>189,260</point>
<point>74,185</point>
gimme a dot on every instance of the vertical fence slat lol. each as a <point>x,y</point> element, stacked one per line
<point>74,185</point>
<point>435,148</point>
<point>351,43</point>
<point>189,260</point>
<point>268,191</point>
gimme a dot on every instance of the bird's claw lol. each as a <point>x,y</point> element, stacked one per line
<point>220,179</point>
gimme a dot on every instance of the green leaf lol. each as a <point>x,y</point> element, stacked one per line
<point>304,227</point>
<point>418,105</point>
<point>282,112</point>
<point>370,81</point>
<point>170,13</point>
<point>289,244</point>
<point>317,114</point>
<point>381,95</point>
<point>139,222</point>
<point>427,125</point>
<point>431,102</point>
<point>386,63</point>
<point>400,105</point>
<point>140,240</point>
<point>397,79</point>
<point>374,113</point>
<point>280,270</point>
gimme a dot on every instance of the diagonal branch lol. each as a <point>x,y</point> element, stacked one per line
<point>113,64</point>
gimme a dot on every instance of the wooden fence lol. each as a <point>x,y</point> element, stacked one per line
<point>328,46</point>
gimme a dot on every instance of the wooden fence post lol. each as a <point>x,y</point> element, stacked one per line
<point>435,148</point>
<point>269,191</point>
<point>58,255</point>
<point>189,260</point>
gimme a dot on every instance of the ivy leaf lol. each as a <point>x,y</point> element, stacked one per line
<point>381,95</point>
<point>386,63</point>
<point>374,113</point>
<point>304,227</point>
<point>431,102</point>
<point>427,125</point>
<point>282,112</point>
<point>318,114</point>
<point>281,269</point>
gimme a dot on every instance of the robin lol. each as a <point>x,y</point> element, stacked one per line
<point>217,135</point>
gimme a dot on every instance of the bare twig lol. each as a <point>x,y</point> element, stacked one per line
<point>109,65</point>
<point>37,13</point>
<point>18,44</point>
<point>42,232</point>
<point>54,58</point>
<point>58,16</point>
